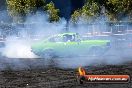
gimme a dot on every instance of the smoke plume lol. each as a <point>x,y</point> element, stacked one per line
<point>17,51</point>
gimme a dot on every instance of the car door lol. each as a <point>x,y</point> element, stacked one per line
<point>71,45</point>
<point>58,45</point>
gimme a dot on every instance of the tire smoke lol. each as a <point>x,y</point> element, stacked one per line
<point>17,51</point>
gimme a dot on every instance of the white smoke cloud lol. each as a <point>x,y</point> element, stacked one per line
<point>38,25</point>
<point>17,48</point>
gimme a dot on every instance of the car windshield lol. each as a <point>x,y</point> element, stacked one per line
<point>65,38</point>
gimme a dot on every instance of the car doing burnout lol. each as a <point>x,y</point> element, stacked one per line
<point>69,44</point>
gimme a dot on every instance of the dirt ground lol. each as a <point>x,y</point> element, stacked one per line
<point>53,77</point>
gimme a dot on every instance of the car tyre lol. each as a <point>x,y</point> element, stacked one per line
<point>48,54</point>
<point>49,57</point>
<point>96,51</point>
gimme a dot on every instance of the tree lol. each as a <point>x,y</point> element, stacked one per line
<point>88,12</point>
<point>75,16</point>
<point>115,10</point>
<point>52,11</point>
<point>118,9</point>
<point>19,9</point>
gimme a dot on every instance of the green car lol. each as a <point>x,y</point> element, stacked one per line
<point>69,44</point>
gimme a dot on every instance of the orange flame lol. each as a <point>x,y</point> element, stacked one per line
<point>81,71</point>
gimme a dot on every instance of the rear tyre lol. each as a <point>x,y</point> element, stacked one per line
<point>96,51</point>
<point>113,56</point>
<point>48,54</point>
<point>49,57</point>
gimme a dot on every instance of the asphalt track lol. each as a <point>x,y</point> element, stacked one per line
<point>32,73</point>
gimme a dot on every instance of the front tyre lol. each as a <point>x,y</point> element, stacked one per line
<point>48,54</point>
<point>50,57</point>
<point>96,51</point>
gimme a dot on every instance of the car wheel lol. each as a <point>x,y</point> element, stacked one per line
<point>96,51</point>
<point>115,56</point>
<point>48,54</point>
<point>50,57</point>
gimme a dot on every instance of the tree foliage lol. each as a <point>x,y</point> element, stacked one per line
<point>19,9</point>
<point>115,10</point>
<point>119,9</point>
<point>52,11</point>
<point>89,11</point>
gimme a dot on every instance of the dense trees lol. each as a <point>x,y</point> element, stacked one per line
<point>53,13</point>
<point>115,10</point>
<point>20,9</point>
<point>119,8</point>
<point>88,12</point>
